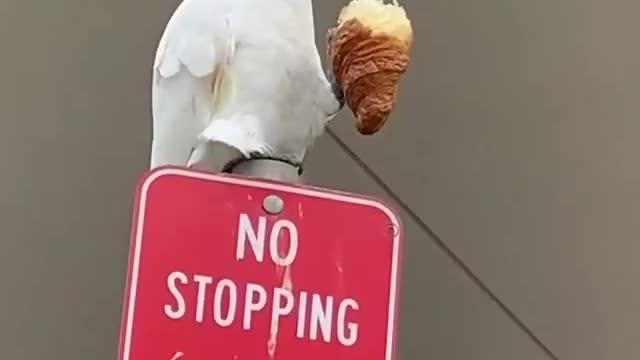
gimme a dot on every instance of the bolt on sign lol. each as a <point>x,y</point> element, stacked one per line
<point>224,267</point>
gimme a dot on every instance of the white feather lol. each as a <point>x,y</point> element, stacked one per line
<point>243,72</point>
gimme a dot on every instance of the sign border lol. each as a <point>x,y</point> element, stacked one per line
<point>139,210</point>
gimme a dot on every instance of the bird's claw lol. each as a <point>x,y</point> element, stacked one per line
<point>331,76</point>
<point>337,90</point>
<point>331,33</point>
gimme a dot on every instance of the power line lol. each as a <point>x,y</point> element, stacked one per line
<point>440,243</point>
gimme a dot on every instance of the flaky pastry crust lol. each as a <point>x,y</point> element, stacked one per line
<point>368,63</point>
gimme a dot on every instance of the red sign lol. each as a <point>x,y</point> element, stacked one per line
<point>213,275</point>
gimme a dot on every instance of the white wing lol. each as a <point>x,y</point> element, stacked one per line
<point>190,52</point>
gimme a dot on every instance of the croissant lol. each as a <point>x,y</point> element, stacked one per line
<point>369,51</point>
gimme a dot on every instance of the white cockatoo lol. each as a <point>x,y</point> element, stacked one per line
<point>246,73</point>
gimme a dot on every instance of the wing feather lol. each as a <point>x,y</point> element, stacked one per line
<point>185,66</point>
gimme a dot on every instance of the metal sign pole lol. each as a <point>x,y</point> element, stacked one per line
<point>213,156</point>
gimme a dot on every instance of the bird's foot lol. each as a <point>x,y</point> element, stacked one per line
<point>331,76</point>
<point>331,33</point>
<point>336,89</point>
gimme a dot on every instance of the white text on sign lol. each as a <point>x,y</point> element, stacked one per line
<point>317,317</point>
